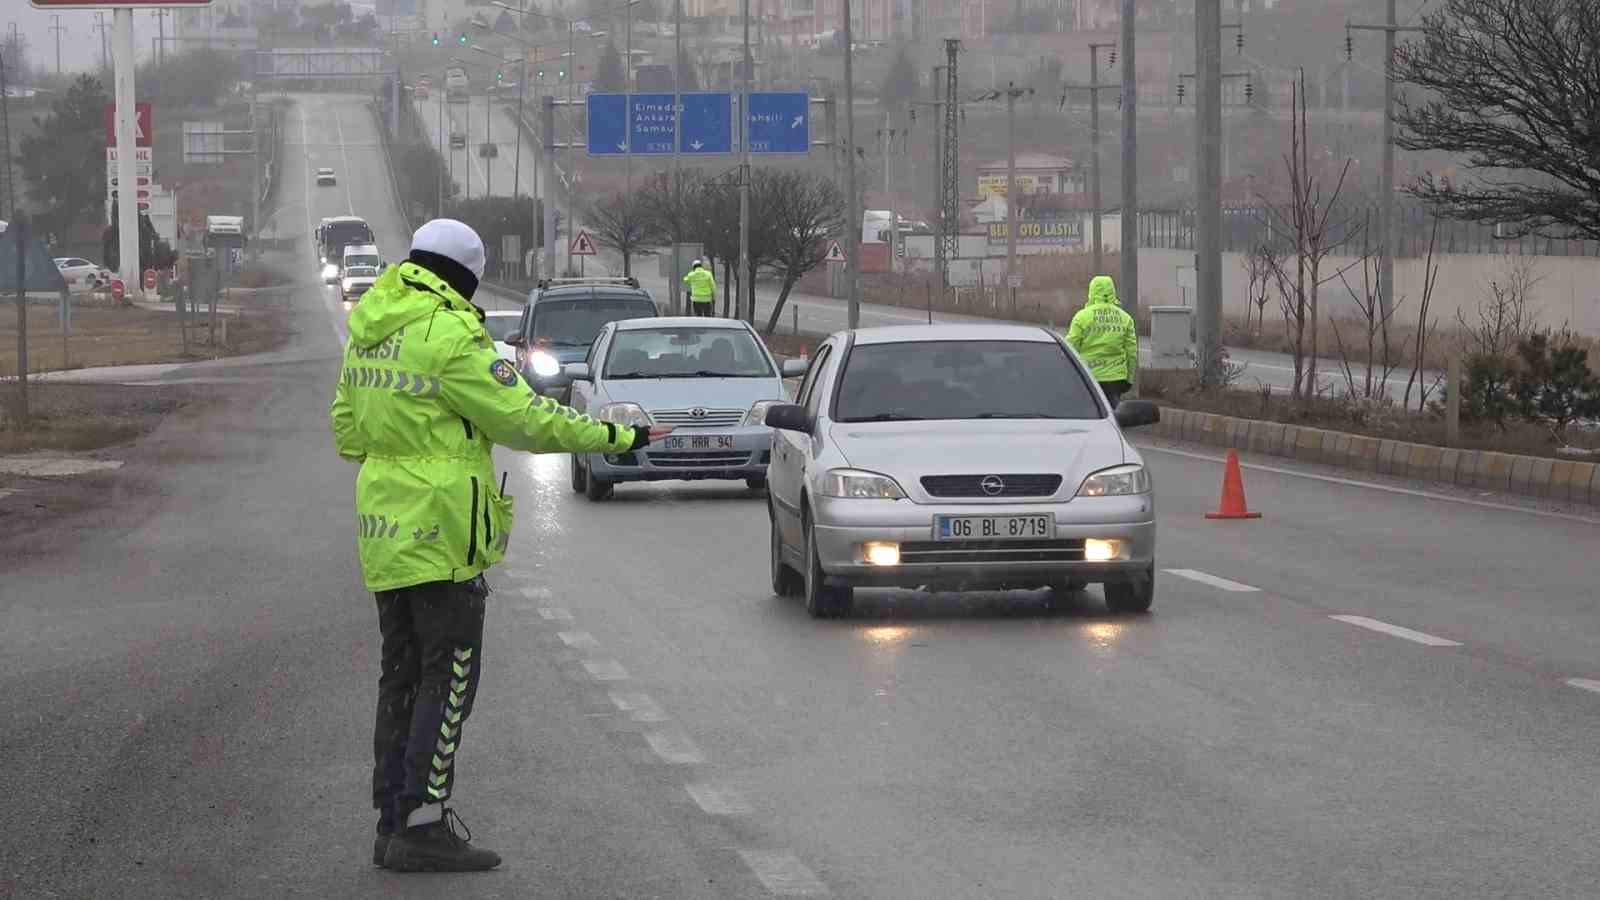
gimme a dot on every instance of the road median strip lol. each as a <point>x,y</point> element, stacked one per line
<point>1553,479</point>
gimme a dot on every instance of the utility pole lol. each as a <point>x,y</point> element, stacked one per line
<point>7,195</point>
<point>488,140</point>
<point>1386,209</point>
<point>127,131</point>
<point>743,279</point>
<point>161,28</point>
<point>676,285</point>
<point>1130,163</point>
<point>1012,92</point>
<point>938,182</point>
<point>57,27</point>
<point>950,159</point>
<point>1208,165</point>
<point>853,204</point>
<point>101,26</point>
<point>255,189</point>
<point>1094,87</point>
<point>547,126</point>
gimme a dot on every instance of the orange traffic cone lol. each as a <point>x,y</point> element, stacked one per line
<point>1232,505</point>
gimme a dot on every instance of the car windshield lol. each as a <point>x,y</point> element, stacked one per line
<point>361,272</point>
<point>687,352</point>
<point>576,322</point>
<point>968,380</point>
<point>363,260</point>
<point>501,328</point>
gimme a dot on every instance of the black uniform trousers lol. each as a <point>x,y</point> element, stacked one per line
<point>1114,390</point>
<point>432,654</point>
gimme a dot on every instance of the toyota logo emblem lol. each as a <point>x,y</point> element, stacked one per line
<point>992,485</point>
<point>699,412</point>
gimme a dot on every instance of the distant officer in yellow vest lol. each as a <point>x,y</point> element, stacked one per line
<point>1104,335</point>
<point>702,289</point>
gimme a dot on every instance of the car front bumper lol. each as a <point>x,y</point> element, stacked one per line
<point>747,458</point>
<point>843,527</point>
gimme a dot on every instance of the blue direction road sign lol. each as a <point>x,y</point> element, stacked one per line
<point>779,122</point>
<point>707,123</point>
<point>608,124</point>
<point>650,123</point>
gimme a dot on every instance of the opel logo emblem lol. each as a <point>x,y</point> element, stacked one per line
<point>699,412</point>
<point>992,485</point>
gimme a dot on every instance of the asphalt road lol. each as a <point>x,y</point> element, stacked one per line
<point>188,672</point>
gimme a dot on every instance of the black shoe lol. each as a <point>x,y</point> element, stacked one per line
<point>437,847</point>
<point>380,849</point>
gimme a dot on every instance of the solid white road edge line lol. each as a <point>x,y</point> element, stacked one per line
<point>1584,684</point>
<point>1213,580</point>
<point>1397,631</point>
<point>1351,482</point>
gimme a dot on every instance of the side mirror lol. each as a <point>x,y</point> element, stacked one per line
<point>794,368</point>
<point>577,372</point>
<point>789,417</point>
<point>516,340</point>
<point>1136,413</point>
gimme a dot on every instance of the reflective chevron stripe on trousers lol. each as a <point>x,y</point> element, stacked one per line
<point>432,654</point>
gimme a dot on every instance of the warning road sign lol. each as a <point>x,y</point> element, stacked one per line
<point>835,254</point>
<point>582,244</point>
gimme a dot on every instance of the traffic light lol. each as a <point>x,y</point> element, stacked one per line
<point>436,38</point>
<point>463,39</point>
<point>561,74</point>
<point>541,74</point>
<point>499,75</point>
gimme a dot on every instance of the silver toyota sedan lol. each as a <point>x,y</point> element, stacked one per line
<point>957,457</point>
<point>711,379</point>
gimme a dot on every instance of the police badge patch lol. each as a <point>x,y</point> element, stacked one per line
<point>503,373</point>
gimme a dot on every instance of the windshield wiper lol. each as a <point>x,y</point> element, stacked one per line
<point>888,417</point>
<point>1020,415</point>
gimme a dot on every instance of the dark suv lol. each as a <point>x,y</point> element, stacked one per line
<point>561,320</point>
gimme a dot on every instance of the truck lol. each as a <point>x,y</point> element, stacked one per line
<point>456,84</point>
<point>335,234</point>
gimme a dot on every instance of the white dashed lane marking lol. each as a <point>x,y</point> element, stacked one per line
<point>639,707</point>
<point>1584,684</point>
<point>783,873</point>
<point>554,614</point>
<point>1212,580</point>
<point>674,748</point>
<point>578,640</point>
<point>1397,631</point>
<point>536,593</point>
<point>605,670</point>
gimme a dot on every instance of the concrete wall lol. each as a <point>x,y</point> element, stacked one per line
<point>1568,294</point>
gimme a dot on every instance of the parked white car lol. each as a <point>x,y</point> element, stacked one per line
<point>83,275</point>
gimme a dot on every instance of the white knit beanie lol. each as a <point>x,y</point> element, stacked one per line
<point>454,240</point>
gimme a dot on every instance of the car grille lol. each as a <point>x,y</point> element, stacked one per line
<point>972,485</point>
<point>713,418</point>
<point>1052,550</point>
<point>667,460</point>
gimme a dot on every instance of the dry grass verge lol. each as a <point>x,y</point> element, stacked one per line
<point>1181,390</point>
<point>80,417</point>
<point>128,336</point>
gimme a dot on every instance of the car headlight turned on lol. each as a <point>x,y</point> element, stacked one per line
<point>758,413</point>
<point>629,414</point>
<point>854,484</point>
<point>330,271</point>
<point>1097,550</point>
<point>1117,481</point>
<point>881,553</point>
<point>544,365</point>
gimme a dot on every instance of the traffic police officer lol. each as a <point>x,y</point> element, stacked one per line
<point>702,289</point>
<point>1104,335</point>
<point>422,400</point>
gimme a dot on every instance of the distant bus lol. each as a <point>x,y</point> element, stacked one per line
<point>456,84</point>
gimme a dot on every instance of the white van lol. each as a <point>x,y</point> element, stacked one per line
<point>360,269</point>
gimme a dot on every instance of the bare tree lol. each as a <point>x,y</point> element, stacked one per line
<point>622,222</point>
<point>1509,85</point>
<point>804,210</point>
<point>1380,356</point>
<point>1259,264</point>
<point>1503,317</point>
<point>1425,327</point>
<point>1308,218</point>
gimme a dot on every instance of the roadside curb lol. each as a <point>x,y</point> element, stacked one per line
<point>1532,476</point>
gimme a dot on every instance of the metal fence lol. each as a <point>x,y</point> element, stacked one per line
<point>1245,227</point>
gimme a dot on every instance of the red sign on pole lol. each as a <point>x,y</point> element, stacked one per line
<point>149,279</point>
<point>141,114</point>
<point>117,290</point>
